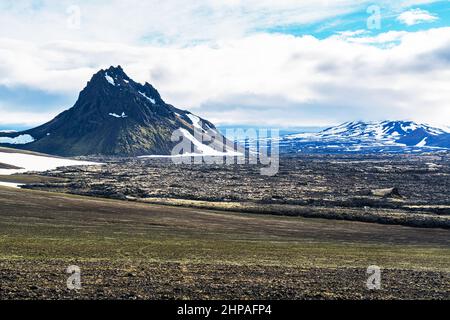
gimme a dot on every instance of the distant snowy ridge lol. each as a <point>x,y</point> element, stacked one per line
<point>386,130</point>
<point>384,136</point>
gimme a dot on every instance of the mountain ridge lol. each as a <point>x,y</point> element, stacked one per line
<point>113,115</point>
<point>375,136</point>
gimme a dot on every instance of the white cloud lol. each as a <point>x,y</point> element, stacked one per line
<point>169,21</point>
<point>213,57</point>
<point>416,16</point>
<point>267,79</point>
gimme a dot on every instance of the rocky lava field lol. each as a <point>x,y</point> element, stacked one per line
<point>411,190</point>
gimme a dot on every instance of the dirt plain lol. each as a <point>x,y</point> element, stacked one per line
<point>130,250</point>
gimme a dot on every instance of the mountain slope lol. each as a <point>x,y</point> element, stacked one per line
<point>113,115</point>
<point>366,137</point>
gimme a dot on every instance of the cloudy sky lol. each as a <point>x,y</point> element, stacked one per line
<point>277,63</point>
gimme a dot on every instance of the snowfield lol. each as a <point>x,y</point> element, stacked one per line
<point>11,185</point>
<point>203,148</point>
<point>22,139</point>
<point>195,121</point>
<point>28,162</point>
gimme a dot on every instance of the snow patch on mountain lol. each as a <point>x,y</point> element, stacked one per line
<point>148,98</point>
<point>409,127</point>
<point>422,143</point>
<point>115,115</point>
<point>196,122</point>
<point>110,79</point>
<point>203,149</point>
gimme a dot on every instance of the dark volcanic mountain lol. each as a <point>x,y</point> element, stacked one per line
<point>114,115</point>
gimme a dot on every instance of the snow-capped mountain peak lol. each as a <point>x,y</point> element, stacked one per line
<point>384,130</point>
<point>115,115</point>
<point>383,136</point>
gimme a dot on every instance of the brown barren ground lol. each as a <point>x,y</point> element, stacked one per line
<point>131,250</point>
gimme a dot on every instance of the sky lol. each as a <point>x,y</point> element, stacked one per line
<point>273,63</point>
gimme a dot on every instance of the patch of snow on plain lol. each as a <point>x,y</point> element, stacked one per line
<point>22,139</point>
<point>11,185</point>
<point>149,99</point>
<point>29,162</point>
<point>109,79</point>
